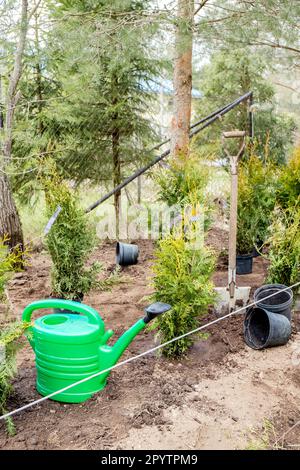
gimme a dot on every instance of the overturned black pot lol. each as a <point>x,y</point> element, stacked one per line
<point>244,264</point>
<point>263,329</point>
<point>126,254</point>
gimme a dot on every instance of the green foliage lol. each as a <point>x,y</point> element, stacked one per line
<point>284,240</point>
<point>85,93</point>
<point>288,194</point>
<point>230,74</point>
<point>256,201</point>
<point>284,251</point>
<point>8,262</point>
<point>103,73</point>
<point>184,182</point>
<point>9,345</point>
<point>263,438</point>
<point>70,241</point>
<point>267,25</point>
<point>182,279</point>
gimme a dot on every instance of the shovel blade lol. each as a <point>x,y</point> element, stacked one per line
<point>226,304</point>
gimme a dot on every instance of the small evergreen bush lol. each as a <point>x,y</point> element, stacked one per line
<point>182,279</point>
<point>284,250</point>
<point>9,260</point>
<point>184,186</point>
<point>184,182</point>
<point>288,194</point>
<point>256,201</point>
<point>9,335</point>
<point>70,242</point>
<point>9,345</point>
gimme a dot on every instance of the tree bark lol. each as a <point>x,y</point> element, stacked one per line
<point>12,94</point>
<point>182,80</point>
<point>10,223</point>
<point>1,107</point>
<point>117,176</point>
<point>38,70</point>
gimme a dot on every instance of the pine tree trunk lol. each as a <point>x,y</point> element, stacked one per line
<point>116,176</point>
<point>10,224</point>
<point>39,85</point>
<point>182,80</point>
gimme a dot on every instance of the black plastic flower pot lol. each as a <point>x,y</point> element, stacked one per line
<point>280,303</point>
<point>126,254</point>
<point>263,329</point>
<point>244,264</point>
<point>64,310</point>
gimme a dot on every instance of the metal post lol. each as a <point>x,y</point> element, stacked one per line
<point>233,207</point>
<point>233,226</point>
<point>208,121</point>
<point>139,189</point>
<point>251,118</point>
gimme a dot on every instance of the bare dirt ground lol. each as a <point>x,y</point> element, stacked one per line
<point>222,395</point>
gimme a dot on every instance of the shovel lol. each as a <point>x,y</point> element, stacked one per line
<point>230,296</point>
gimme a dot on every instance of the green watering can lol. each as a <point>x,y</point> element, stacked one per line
<point>70,347</point>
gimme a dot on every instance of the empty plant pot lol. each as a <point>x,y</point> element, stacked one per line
<point>280,303</point>
<point>126,254</point>
<point>263,329</point>
<point>64,310</point>
<point>244,264</point>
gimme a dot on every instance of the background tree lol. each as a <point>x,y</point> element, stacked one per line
<point>182,79</point>
<point>231,74</point>
<point>10,224</point>
<point>104,66</point>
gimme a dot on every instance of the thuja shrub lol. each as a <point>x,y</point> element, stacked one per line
<point>9,345</point>
<point>258,183</point>
<point>9,261</point>
<point>289,182</point>
<point>185,184</point>
<point>70,242</point>
<point>284,246</point>
<point>182,279</point>
<point>183,179</point>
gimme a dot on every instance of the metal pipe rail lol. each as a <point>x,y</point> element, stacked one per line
<point>206,121</point>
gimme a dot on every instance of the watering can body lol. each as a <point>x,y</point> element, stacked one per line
<point>71,347</point>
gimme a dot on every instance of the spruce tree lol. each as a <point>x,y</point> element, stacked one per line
<point>102,59</point>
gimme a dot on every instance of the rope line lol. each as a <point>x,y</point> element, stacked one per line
<point>126,361</point>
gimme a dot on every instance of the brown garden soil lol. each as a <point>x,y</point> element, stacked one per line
<point>222,395</point>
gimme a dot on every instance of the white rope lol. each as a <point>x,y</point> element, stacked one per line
<point>126,361</point>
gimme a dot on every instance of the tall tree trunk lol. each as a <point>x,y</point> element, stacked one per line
<point>117,176</point>
<point>38,75</point>
<point>10,224</point>
<point>1,108</point>
<point>9,218</point>
<point>182,80</point>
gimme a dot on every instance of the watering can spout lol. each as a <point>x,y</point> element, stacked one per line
<point>123,342</point>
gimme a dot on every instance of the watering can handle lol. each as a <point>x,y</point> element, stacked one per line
<point>92,314</point>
